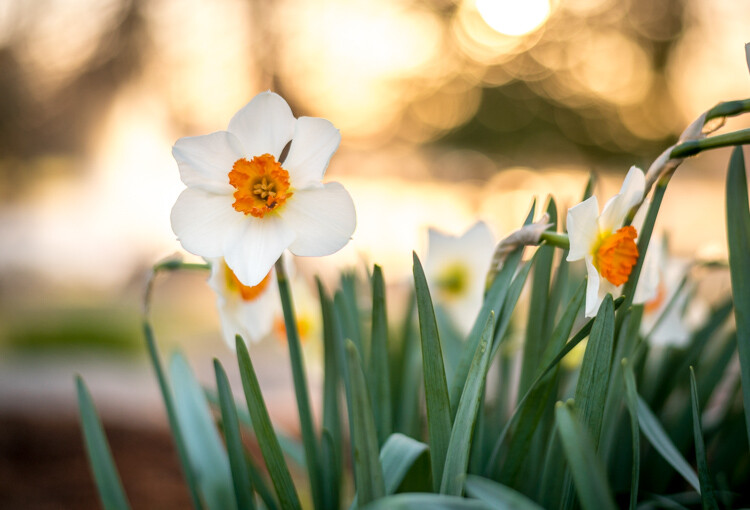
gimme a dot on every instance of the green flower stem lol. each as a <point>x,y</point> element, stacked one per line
<point>309,440</point>
<point>728,109</point>
<point>172,265</point>
<point>555,239</point>
<point>693,147</point>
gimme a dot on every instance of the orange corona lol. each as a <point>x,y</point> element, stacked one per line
<point>247,293</point>
<point>261,185</point>
<point>616,255</point>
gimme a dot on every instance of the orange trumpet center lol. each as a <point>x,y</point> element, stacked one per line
<point>261,185</point>
<point>616,255</point>
<point>247,293</point>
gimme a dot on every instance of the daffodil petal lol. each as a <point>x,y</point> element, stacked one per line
<point>254,247</point>
<point>314,142</point>
<point>583,228</point>
<point>323,219</point>
<point>202,221</point>
<point>593,300</point>
<point>631,194</point>
<point>205,161</point>
<point>263,126</point>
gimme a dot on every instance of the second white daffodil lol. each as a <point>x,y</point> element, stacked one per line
<point>608,247</point>
<point>247,203</point>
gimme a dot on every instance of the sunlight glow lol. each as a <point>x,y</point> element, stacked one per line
<point>514,18</point>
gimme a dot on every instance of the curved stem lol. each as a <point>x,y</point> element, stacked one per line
<point>555,239</point>
<point>694,147</point>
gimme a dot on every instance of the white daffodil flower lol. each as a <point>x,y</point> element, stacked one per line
<point>246,311</point>
<point>456,270</point>
<point>243,205</point>
<point>607,246</point>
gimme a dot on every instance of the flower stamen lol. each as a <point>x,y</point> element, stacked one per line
<point>261,184</point>
<point>616,254</point>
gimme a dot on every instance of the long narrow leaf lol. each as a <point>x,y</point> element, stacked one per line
<point>269,444</point>
<point>588,472</point>
<point>631,399</point>
<point>497,496</point>
<point>707,492</point>
<point>368,473</point>
<point>457,457</point>
<point>591,390</point>
<point>204,446</point>
<point>100,457</point>
<point>378,371</point>
<point>433,369</point>
<point>243,490</point>
<point>299,377</point>
<point>421,501</point>
<point>174,423</point>
<point>659,439</point>
<point>738,237</point>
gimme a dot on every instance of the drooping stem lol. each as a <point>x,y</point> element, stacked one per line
<point>693,147</point>
<point>728,109</point>
<point>309,439</point>
<point>555,239</point>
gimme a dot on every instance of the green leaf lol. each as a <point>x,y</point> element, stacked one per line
<point>457,457</point>
<point>380,383</point>
<point>299,377</point>
<point>433,369</point>
<point>510,302</point>
<point>493,302</point>
<point>497,496</point>
<point>537,333</point>
<point>659,439</point>
<point>593,380</point>
<point>588,471</point>
<point>174,423</point>
<point>204,446</point>
<point>738,237</point>
<point>631,399</point>
<point>420,501</point>
<point>269,444</point>
<point>707,492</point>
<point>100,457</point>
<point>243,490</point>
<point>398,455</point>
<point>368,473</point>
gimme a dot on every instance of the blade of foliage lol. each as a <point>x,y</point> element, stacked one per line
<point>510,302</point>
<point>631,400</point>
<point>588,473</point>
<point>380,384</point>
<point>368,473</point>
<point>457,457</point>
<point>497,496</point>
<point>260,485</point>
<point>659,439</point>
<point>435,386</point>
<point>107,478</point>
<point>553,473</point>
<point>569,346</point>
<point>174,423</point>
<point>243,490</point>
<point>738,236</point>
<point>533,409</point>
<point>593,380</point>
<point>537,332</point>
<point>406,374</point>
<point>421,501</point>
<point>398,455</point>
<point>331,455</point>
<point>707,492</point>
<point>291,447</point>
<point>204,446</point>
<point>350,312</point>
<point>269,444</point>
<point>299,377</point>
<point>493,302</point>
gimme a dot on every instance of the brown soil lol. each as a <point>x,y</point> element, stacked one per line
<point>43,466</point>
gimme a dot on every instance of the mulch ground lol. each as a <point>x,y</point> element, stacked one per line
<point>43,466</point>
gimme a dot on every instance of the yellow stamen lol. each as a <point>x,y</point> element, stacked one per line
<point>247,293</point>
<point>453,279</point>
<point>616,254</point>
<point>262,185</point>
